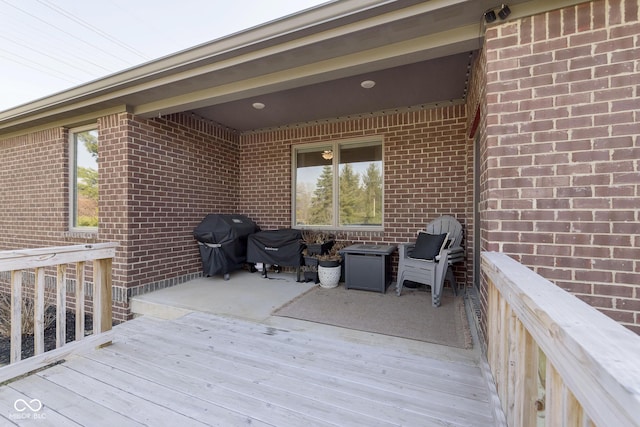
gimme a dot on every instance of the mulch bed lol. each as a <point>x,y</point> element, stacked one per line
<point>49,338</point>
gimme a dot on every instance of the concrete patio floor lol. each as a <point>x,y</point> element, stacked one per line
<point>245,295</point>
<point>249,296</point>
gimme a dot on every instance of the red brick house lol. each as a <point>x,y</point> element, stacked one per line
<point>525,129</point>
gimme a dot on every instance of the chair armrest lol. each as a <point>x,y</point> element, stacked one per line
<point>452,255</point>
<point>405,249</point>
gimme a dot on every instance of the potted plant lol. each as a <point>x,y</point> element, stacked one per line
<point>330,266</point>
<point>310,267</point>
<point>317,242</point>
<point>329,270</point>
<point>310,274</point>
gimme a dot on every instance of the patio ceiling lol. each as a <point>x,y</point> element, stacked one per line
<point>441,80</point>
<point>303,67</point>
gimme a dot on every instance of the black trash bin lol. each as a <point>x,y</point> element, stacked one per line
<point>222,239</point>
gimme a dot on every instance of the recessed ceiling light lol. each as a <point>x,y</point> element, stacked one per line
<point>258,105</point>
<point>368,84</point>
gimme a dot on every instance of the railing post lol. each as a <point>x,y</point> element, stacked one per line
<point>503,349</point>
<point>553,405</point>
<point>512,369</point>
<point>38,312</point>
<point>61,302</point>
<point>16,316</point>
<point>573,411</point>
<point>492,327</point>
<point>80,300</point>
<point>526,381</point>
<point>102,295</point>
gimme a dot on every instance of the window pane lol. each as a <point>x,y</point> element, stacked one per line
<point>86,179</point>
<point>360,185</point>
<point>314,187</point>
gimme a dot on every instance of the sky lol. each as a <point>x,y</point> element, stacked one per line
<point>48,46</point>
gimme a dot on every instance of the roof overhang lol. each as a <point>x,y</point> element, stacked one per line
<point>303,67</point>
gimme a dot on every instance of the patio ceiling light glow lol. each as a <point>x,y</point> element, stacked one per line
<point>258,105</point>
<point>327,154</point>
<point>368,84</point>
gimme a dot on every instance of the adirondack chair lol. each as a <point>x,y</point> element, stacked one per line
<point>441,241</point>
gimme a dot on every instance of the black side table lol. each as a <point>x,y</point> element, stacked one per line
<point>368,266</point>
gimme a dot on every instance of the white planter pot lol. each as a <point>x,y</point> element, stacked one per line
<point>329,276</point>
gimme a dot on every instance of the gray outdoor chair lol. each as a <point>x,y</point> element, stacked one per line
<point>429,259</point>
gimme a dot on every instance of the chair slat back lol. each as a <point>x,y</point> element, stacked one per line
<point>447,224</point>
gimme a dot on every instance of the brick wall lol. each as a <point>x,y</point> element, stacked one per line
<point>477,107</point>
<point>563,179</point>
<point>425,170</point>
<point>159,179</point>
<point>33,189</point>
<point>34,182</point>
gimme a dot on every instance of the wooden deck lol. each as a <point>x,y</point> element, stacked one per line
<point>207,370</point>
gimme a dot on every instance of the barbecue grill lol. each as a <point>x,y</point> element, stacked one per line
<point>222,239</point>
<point>276,247</point>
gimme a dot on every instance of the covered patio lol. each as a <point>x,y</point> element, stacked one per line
<point>213,129</point>
<point>281,302</point>
<point>513,127</point>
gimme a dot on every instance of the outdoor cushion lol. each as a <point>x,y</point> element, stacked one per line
<point>428,246</point>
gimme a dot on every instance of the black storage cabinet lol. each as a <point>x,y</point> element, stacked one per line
<point>222,239</point>
<point>277,247</point>
<point>368,267</point>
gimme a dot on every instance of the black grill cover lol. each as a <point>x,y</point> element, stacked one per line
<point>279,247</point>
<point>222,239</point>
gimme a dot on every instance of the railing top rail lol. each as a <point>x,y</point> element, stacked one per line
<point>43,257</point>
<point>596,357</point>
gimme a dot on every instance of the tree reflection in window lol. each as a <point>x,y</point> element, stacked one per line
<point>86,182</point>
<point>357,191</point>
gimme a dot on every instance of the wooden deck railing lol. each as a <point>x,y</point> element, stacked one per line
<point>58,258</point>
<point>557,361</point>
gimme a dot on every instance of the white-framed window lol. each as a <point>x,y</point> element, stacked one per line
<point>83,197</point>
<point>338,184</point>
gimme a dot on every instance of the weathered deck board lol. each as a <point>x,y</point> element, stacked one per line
<point>367,371</point>
<point>10,416</point>
<point>152,386</point>
<point>207,370</point>
<point>294,392</point>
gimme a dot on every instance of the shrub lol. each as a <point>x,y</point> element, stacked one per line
<point>28,319</point>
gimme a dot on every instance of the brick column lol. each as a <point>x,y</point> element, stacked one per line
<point>563,178</point>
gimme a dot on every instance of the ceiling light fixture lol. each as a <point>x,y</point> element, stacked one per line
<point>327,154</point>
<point>258,105</point>
<point>368,84</point>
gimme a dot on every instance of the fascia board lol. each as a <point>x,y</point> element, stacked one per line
<point>68,122</point>
<point>204,52</point>
<point>167,70</point>
<point>458,40</point>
